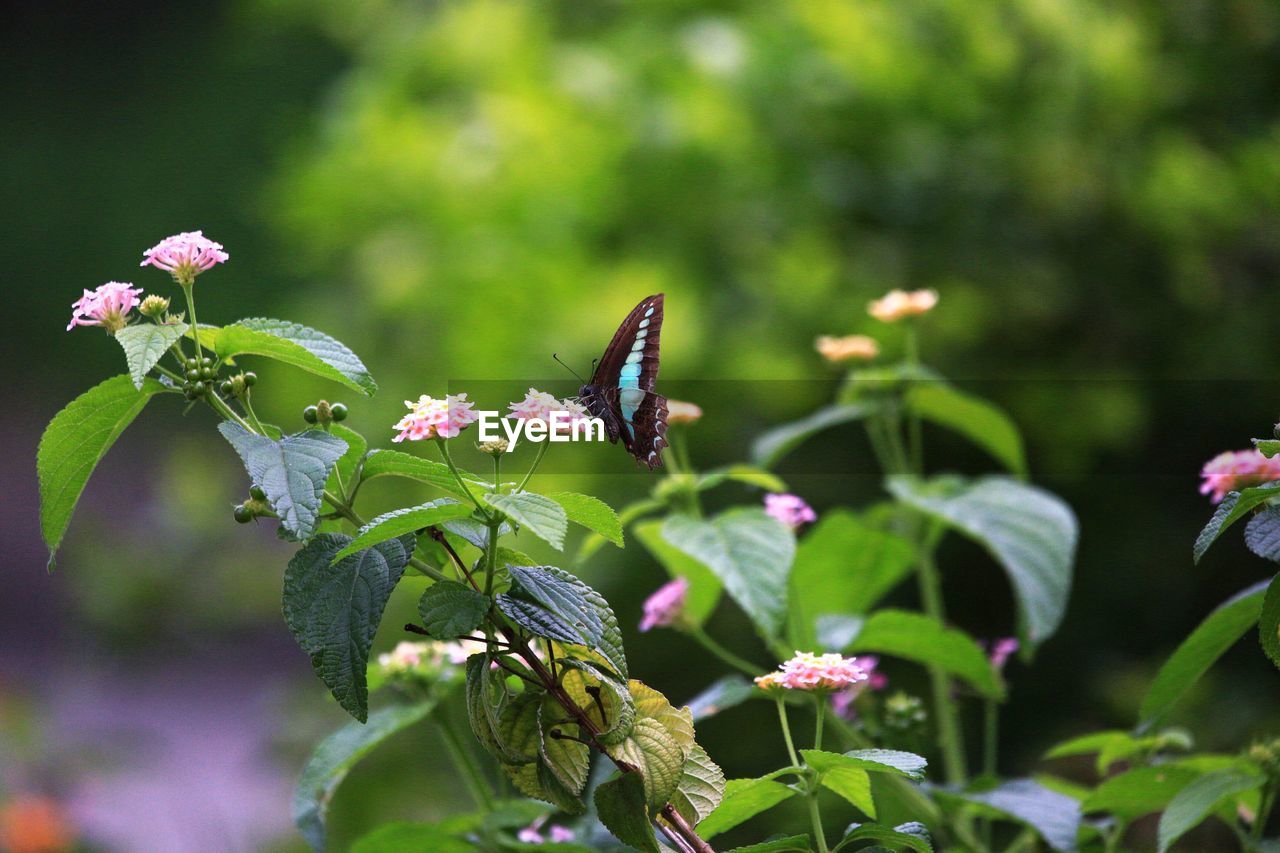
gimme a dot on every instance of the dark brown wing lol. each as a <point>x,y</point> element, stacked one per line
<point>615,355</point>
<point>650,426</point>
<point>625,377</point>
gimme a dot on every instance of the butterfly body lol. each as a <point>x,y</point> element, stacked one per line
<point>621,393</point>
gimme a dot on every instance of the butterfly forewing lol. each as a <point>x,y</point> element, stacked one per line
<point>621,388</point>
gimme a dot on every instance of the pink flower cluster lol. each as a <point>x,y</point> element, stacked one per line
<point>807,671</point>
<point>1001,650</point>
<point>791,510</point>
<point>665,607</point>
<point>556,834</point>
<point>540,406</point>
<point>431,418</point>
<point>843,701</point>
<point>106,306</point>
<point>1236,470</point>
<point>185,255</point>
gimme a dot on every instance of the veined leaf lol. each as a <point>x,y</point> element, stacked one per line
<point>144,344</point>
<point>1056,817</point>
<point>743,800</point>
<point>569,760</point>
<point>910,836</point>
<point>1201,798</point>
<point>519,729</point>
<point>592,513</point>
<point>334,758</point>
<point>677,721</point>
<point>571,598</point>
<point>1262,534</point>
<point>540,515</point>
<point>977,420</point>
<point>1235,506</point>
<point>1209,641</point>
<point>450,609</point>
<point>75,441</point>
<point>333,609</point>
<point>1030,532</point>
<point>848,779</point>
<point>398,522</point>
<point>701,787</point>
<point>296,345</point>
<point>917,637</point>
<point>778,442</point>
<point>660,759</point>
<point>619,716</point>
<point>537,620</point>
<point>750,552</point>
<point>393,463</point>
<point>1269,622</point>
<point>486,695</point>
<point>704,587</point>
<point>292,471</point>
<point>620,803</point>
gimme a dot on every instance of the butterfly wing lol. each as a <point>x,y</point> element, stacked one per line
<point>625,378</point>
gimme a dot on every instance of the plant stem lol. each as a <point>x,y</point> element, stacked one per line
<point>991,736</point>
<point>465,762</point>
<point>786,731</point>
<point>819,700</point>
<point>943,703</point>
<point>1265,804</point>
<point>915,438</point>
<point>815,820</point>
<point>457,475</point>
<point>722,653</point>
<point>537,460</point>
<point>811,784</point>
<point>191,309</point>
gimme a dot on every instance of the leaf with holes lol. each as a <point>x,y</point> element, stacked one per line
<point>144,344</point>
<point>402,521</point>
<point>296,345</point>
<point>450,609</point>
<point>333,609</point>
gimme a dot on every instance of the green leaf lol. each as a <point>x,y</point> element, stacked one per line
<point>891,761</point>
<point>743,800</point>
<point>785,844</point>
<point>750,552</point>
<point>592,513</point>
<point>334,758</point>
<point>677,721</point>
<point>620,804</point>
<point>391,525</point>
<point>1056,817</point>
<point>721,695</point>
<point>357,446</point>
<point>577,604</point>
<point>292,471</point>
<point>519,729</point>
<point>144,344</point>
<point>981,422</point>
<point>537,620</point>
<point>1262,534</point>
<point>704,586</point>
<point>450,609</point>
<point>1268,447</point>
<point>486,695</point>
<point>393,463</point>
<point>401,835</point>
<point>701,787</point>
<point>1144,790</point>
<point>296,345</point>
<point>908,836</point>
<point>594,542</point>
<point>848,779</point>
<point>653,749</point>
<point>475,531</point>
<point>619,716</point>
<point>842,566</point>
<point>1209,641</point>
<point>748,474</point>
<point>333,609</point>
<point>569,760</point>
<point>1199,799</point>
<point>1030,532</point>
<point>1235,506</point>
<point>917,637</point>
<point>540,515</point>
<point>1269,622</point>
<point>778,442</point>
<point>1115,746</point>
<point>75,441</point>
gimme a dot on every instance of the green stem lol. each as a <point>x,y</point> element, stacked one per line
<point>944,705</point>
<point>465,762</point>
<point>1265,804</point>
<point>457,475</point>
<point>815,820</point>
<point>721,652</point>
<point>990,736</point>
<point>811,782</point>
<point>537,460</point>
<point>220,406</point>
<point>786,731</point>
<point>915,438</point>
<point>820,700</point>
<point>188,291</point>
<point>252,415</point>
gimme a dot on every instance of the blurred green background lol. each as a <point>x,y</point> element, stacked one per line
<point>459,189</point>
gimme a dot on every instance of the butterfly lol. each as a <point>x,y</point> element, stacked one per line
<point>620,392</point>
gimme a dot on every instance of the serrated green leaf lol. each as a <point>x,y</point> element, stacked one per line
<point>620,804</point>
<point>917,637</point>
<point>1269,622</point>
<point>519,729</point>
<point>393,463</point>
<point>486,696</point>
<point>292,471</point>
<point>846,777</point>
<point>75,441</point>
<point>398,522</point>
<point>981,422</point>
<point>538,514</point>
<point>450,609</point>
<point>333,609</point>
<point>907,836</point>
<point>144,344</point>
<point>1235,506</point>
<point>1262,534</point>
<point>750,552</point>
<point>721,695</point>
<point>536,619</point>
<point>704,587</point>
<point>582,680</point>
<point>1056,817</point>
<point>677,721</point>
<point>1199,799</point>
<point>399,836</point>
<point>743,800</point>
<point>1031,533</point>
<point>336,755</point>
<point>296,345</point>
<point>569,760</point>
<point>592,513</point>
<point>1141,791</point>
<point>1209,641</point>
<point>630,513</point>
<point>577,604</point>
<point>843,566</point>
<point>701,787</point>
<point>748,474</point>
<point>660,758</point>
<point>779,441</point>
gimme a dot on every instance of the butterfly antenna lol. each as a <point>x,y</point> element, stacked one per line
<point>570,369</point>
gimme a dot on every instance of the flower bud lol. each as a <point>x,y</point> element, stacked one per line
<point>242,514</point>
<point>339,411</point>
<point>311,414</point>
<point>680,412</point>
<point>250,379</point>
<point>904,712</point>
<point>154,306</point>
<point>324,412</point>
<point>496,447</point>
<point>256,492</point>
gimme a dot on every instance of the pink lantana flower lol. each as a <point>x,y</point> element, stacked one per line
<point>1001,650</point>
<point>430,417</point>
<point>1236,470</point>
<point>843,701</point>
<point>556,834</point>
<point>791,510</point>
<point>807,671</point>
<point>107,306</point>
<point>541,407</point>
<point>666,606</point>
<point>185,255</point>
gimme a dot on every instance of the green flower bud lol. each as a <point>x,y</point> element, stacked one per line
<point>311,414</point>
<point>154,306</point>
<point>242,514</point>
<point>497,447</point>
<point>339,411</point>
<point>250,379</point>
<point>255,492</point>
<point>193,373</point>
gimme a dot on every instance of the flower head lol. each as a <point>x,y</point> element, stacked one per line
<point>556,834</point>
<point>154,306</point>
<point>791,510</point>
<point>680,412</point>
<point>769,681</point>
<point>540,407</point>
<point>185,255</point>
<point>405,656</point>
<point>107,306</point>
<point>899,304</point>
<point>1001,650</point>
<point>807,671</point>
<point>848,348</point>
<point>666,606</point>
<point>1236,470</point>
<point>430,417</point>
